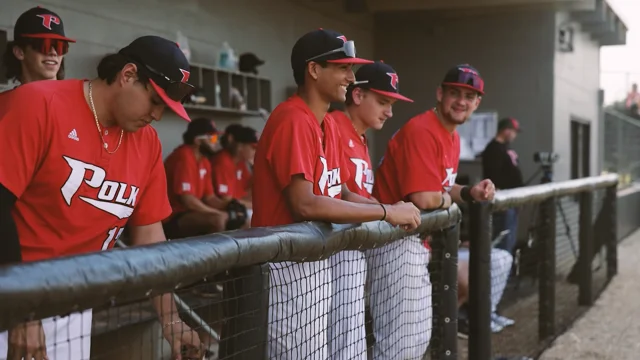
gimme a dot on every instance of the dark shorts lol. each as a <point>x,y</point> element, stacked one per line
<point>171,227</point>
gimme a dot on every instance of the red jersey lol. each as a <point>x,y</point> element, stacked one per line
<point>73,196</point>
<point>357,152</point>
<point>226,175</point>
<point>243,174</point>
<point>293,143</point>
<point>187,175</point>
<point>421,156</point>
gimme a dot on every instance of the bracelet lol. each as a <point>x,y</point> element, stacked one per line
<point>171,323</point>
<point>384,217</point>
<point>465,194</point>
<point>441,201</point>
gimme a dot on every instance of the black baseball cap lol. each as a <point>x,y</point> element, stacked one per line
<point>465,76</point>
<point>249,62</point>
<point>324,45</point>
<point>380,78</point>
<point>245,135</point>
<point>167,68</point>
<point>40,23</point>
<point>202,126</point>
<point>509,123</point>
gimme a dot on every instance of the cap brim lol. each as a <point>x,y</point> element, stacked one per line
<point>392,95</point>
<point>464,86</point>
<point>174,105</point>
<point>48,36</point>
<point>350,60</point>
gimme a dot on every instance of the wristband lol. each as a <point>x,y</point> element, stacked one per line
<point>465,194</point>
<point>441,201</point>
<point>384,217</point>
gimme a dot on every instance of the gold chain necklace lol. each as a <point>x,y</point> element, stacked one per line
<point>95,116</point>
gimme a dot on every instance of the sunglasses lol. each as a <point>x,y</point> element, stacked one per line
<point>44,46</point>
<point>213,138</point>
<point>175,90</point>
<point>348,48</point>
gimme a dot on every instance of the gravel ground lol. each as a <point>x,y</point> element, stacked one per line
<point>610,330</point>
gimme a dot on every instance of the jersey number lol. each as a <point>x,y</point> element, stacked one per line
<point>112,236</point>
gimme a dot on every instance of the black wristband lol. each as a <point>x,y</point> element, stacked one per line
<point>465,194</point>
<point>384,217</point>
<point>441,202</point>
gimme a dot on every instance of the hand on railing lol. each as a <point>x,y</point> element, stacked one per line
<point>404,214</point>
<point>185,343</point>
<point>484,190</point>
<point>27,341</point>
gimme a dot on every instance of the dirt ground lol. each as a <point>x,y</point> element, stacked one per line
<point>610,330</point>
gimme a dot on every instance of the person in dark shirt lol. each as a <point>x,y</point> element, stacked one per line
<point>500,165</point>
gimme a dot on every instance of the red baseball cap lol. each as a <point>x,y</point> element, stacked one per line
<point>465,76</point>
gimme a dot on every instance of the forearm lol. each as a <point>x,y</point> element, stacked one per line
<point>455,193</point>
<point>9,239</point>
<point>350,196</point>
<point>337,211</point>
<point>192,203</point>
<point>166,308</point>
<point>430,200</point>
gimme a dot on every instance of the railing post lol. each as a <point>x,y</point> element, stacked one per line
<point>546,241</point>
<point>585,257</point>
<point>480,281</point>
<point>444,281</point>
<point>246,305</point>
<point>610,232</point>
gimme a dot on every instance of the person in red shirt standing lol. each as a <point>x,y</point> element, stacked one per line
<point>196,210</point>
<point>420,165</point>
<point>368,105</point>
<point>84,163</point>
<point>38,49</point>
<point>302,171</point>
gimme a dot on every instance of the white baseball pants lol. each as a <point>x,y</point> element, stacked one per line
<point>501,261</point>
<point>400,299</point>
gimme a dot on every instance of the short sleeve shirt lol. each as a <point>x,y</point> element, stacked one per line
<point>358,159</point>
<point>226,175</point>
<point>187,175</point>
<point>294,143</point>
<point>422,156</point>
<point>73,196</point>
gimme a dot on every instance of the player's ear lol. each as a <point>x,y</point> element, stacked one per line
<point>128,74</point>
<point>18,52</point>
<point>313,68</point>
<point>357,95</point>
<point>439,93</point>
<point>478,101</point>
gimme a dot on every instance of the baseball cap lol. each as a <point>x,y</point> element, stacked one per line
<point>202,126</point>
<point>245,135</point>
<point>249,62</point>
<point>464,76</point>
<point>40,23</point>
<point>380,78</point>
<point>324,45</point>
<point>509,123</point>
<point>167,68</point>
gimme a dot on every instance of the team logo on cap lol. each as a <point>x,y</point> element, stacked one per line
<point>48,19</point>
<point>467,70</point>
<point>394,80</point>
<point>185,75</point>
<point>343,38</point>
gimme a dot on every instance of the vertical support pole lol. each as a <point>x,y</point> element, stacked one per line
<point>444,282</point>
<point>585,257</point>
<point>246,304</point>
<point>480,282</point>
<point>610,207</point>
<point>546,243</point>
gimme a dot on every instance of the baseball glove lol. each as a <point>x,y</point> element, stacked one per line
<point>237,215</point>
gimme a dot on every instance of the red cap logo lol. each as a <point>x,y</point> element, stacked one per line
<point>394,80</point>
<point>343,38</point>
<point>185,75</point>
<point>48,19</point>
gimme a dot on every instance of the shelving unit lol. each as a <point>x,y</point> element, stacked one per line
<point>255,90</point>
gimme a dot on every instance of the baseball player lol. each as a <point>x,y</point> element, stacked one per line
<point>420,165</point>
<point>244,171</point>
<point>302,170</point>
<point>196,210</point>
<point>368,105</point>
<point>38,49</point>
<point>89,164</point>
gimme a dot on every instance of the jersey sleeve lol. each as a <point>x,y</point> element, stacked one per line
<point>345,164</point>
<point>293,151</point>
<point>181,173</point>
<point>208,185</point>
<point>25,135</point>
<point>153,205</point>
<point>223,174</point>
<point>418,163</point>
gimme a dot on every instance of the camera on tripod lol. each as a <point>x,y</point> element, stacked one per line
<point>545,158</point>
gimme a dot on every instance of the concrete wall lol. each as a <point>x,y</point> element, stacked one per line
<point>576,86</point>
<point>515,60</point>
<point>268,28</point>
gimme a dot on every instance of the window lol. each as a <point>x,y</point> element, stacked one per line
<point>580,149</point>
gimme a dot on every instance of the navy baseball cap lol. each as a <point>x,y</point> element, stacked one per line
<point>380,78</point>
<point>167,68</point>
<point>509,123</point>
<point>202,126</point>
<point>324,45</point>
<point>464,76</point>
<point>40,23</point>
